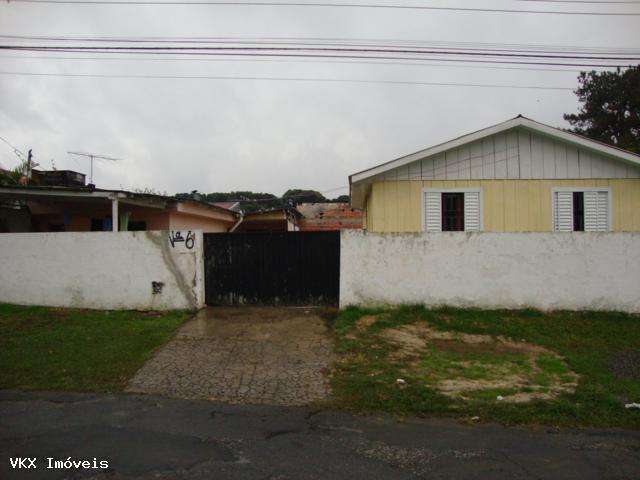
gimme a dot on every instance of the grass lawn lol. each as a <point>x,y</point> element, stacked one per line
<point>561,368</point>
<point>82,350</point>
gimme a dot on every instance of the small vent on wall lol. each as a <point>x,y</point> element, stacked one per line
<point>156,287</point>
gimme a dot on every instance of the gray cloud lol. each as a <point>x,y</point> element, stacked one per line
<point>178,135</point>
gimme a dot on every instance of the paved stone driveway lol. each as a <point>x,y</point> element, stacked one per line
<point>266,355</point>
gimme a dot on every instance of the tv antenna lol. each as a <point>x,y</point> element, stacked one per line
<point>92,157</point>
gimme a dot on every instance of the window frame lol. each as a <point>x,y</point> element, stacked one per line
<point>572,190</point>
<point>459,213</point>
<point>578,195</point>
<point>477,190</point>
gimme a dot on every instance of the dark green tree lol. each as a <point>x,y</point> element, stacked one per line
<point>610,110</point>
<point>249,201</point>
<point>257,201</point>
<point>295,196</point>
<point>342,199</point>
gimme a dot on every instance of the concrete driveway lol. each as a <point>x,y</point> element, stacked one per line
<point>251,355</point>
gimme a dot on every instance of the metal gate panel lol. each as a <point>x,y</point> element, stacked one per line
<point>279,268</point>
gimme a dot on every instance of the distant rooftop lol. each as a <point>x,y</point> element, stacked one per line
<point>233,206</point>
<point>30,191</point>
<point>329,216</point>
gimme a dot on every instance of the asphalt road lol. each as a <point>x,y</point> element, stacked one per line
<point>144,437</point>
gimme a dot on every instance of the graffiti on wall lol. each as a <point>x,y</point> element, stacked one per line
<point>176,237</point>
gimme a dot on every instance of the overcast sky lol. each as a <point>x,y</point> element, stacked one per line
<point>221,135</point>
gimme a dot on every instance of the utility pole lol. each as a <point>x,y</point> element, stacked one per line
<point>29,157</point>
<point>92,157</point>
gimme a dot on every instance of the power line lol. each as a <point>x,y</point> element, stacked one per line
<point>448,47</point>
<point>335,189</point>
<point>331,41</point>
<point>369,57</point>
<point>378,50</point>
<point>322,4</point>
<point>289,79</point>
<point>596,2</point>
<point>19,153</point>
<point>300,60</point>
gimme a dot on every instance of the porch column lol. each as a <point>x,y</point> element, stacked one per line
<point>114,214</point>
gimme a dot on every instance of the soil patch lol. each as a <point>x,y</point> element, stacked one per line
<point>472,367</point>
<point>366,321</point>
<point>460,346</point>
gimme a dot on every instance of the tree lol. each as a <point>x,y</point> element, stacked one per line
<point>342,199</point>
<point>295,196</point>
<point>13,176</point>
<point>249,201</point>
<point>258,201</point>
<point>610,110</point>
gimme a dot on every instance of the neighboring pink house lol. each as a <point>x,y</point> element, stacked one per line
<point>78,209</point>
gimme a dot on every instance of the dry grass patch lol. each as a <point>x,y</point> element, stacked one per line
<point>479,367</point>
<point>551,368</point>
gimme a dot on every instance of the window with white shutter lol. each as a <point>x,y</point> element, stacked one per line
<point>446,210</point>
<point>581,210</point>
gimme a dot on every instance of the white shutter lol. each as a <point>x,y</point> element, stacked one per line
<point>433,211</point>
<point>603,211</point>
<point>472,211</point>
<point>563,211</point>
<point>596,211</point>
<point>590,211</point>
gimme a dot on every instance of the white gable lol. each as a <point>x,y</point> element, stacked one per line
<point>517,148</point>
<point>515,154</point>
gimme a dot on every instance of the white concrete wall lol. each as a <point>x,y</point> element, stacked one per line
<point>103,270</point>
<point>575,271</point>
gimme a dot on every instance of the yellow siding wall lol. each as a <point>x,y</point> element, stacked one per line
<point>508,205</point>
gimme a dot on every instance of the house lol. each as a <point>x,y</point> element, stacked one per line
<point>517,176</point>
<point>59,178</point>
<point>80,208</point>
<point>275,220</point>
<point>328,216</point>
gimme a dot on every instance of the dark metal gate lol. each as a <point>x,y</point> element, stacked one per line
<point>284,268</point>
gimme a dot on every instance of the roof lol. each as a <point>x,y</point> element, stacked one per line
<point>269,212</point>
<point>234,206</point>
<point>57,171</point>
<point>91,192</point>
<point>518,121</point>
